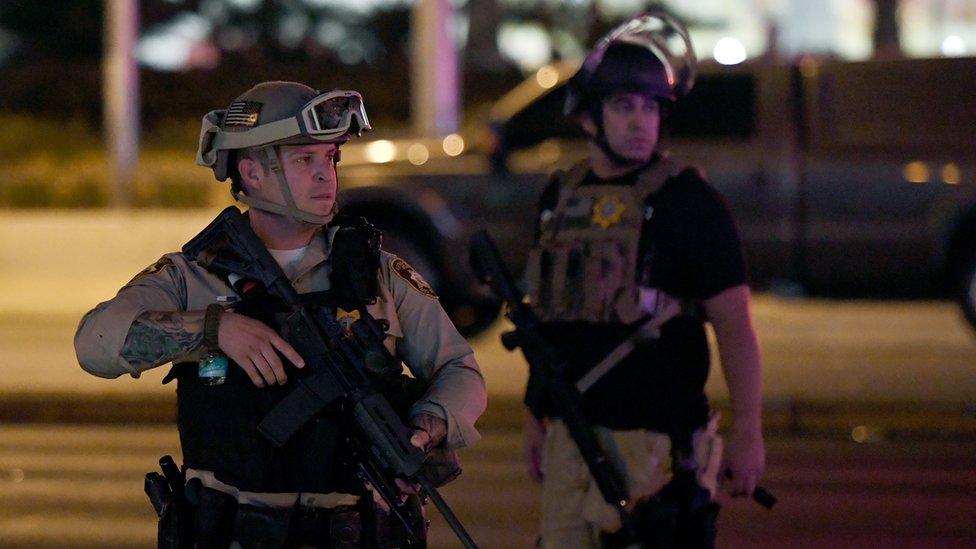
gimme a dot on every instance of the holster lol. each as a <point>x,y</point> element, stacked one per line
<point>214,519</point>
<point>202,517</point>
<point>262,526</point>
<point>681,515</point>
<point>175,527</point>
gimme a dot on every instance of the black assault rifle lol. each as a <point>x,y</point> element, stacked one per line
<point>548,369</point>
<point>335,369</point>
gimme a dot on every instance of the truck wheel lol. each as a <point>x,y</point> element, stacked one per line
<point>966,289</point>
<point>473,318</point>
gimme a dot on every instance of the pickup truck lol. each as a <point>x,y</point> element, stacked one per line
<point>847,179</point>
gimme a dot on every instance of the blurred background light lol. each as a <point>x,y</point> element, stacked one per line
<point>951,174</point>
<point>171,46</point>
<point>381,151</point>
<point>547,76</point>
<point>418,154</point>
<point>292,27</point>
<point>916,172</point>
<point>526,44</point>
<point>359,7</point>
<point>249,6</point>
<point>953,46</point>
<point>453,144</point>
<point>330,33</point>
<point>729,51</point>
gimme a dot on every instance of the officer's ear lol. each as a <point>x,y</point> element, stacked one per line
<point>251,171</point>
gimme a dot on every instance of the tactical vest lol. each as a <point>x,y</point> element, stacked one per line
<point>584,266</point>
<point>218,426</point>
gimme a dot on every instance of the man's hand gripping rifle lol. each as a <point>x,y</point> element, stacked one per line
<point>547,369</point>
<point>335,369</point>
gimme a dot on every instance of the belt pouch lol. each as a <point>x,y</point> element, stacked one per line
<point>214,518</point>
<point>261,527</point>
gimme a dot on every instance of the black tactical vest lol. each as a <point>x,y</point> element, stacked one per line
<point>218,423</point>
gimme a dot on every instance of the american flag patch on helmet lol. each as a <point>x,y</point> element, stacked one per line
<point>242,114</point>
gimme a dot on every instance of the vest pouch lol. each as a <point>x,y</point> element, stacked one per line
<point>218,428</point>
<point>553,279</point>
<point>213,424</point>
<point>571,273</point>
<point>606,274</point>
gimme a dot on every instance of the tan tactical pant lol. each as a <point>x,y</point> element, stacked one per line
<point>573,511</point>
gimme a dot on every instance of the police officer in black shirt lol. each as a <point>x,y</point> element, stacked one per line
<point>634,253</point>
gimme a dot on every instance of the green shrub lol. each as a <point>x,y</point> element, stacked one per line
<point>28,193</point>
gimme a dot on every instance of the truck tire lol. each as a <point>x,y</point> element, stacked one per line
<point>473,318</point>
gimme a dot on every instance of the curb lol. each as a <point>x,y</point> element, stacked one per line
<point>862,422</point>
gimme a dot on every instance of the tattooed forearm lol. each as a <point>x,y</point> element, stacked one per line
<point>158,337</point>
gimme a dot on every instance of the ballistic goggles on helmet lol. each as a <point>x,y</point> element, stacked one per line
<point>333,114</point>
<point>327,118</point>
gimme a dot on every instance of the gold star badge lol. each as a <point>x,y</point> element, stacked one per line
<point>608,211</point>
<point>346,319</point>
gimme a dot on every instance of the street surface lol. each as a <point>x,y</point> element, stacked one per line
<point>81,486</point>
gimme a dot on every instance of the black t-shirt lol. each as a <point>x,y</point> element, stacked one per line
<point>692,250</point>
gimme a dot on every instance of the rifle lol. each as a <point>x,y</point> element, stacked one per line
<point>547,368</point>
<point>335,368</point>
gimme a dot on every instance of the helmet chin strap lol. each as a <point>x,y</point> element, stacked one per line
<point>619,161</point>
<point>601,141</point>
<point>289,208</point>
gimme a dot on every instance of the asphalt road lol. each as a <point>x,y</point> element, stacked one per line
<point>81,486</point>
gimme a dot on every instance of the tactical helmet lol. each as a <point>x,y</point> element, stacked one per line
<point>278,113</point>
<point>649,54</point>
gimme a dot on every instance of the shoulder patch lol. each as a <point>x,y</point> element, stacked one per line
<point>159,265</point>
<point>406,272</point>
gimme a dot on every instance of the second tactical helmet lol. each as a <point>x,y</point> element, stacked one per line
<point>278,113</point>
<point>650,54</point>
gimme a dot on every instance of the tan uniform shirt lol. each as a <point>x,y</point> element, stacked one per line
<point>420,332</point>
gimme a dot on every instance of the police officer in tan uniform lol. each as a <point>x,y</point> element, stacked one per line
<point>279,142</point>
<point>634,252</point>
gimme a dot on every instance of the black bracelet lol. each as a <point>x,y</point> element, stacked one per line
<point>211,322</point>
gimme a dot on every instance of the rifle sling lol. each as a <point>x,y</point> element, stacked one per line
<point>620,352</point>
